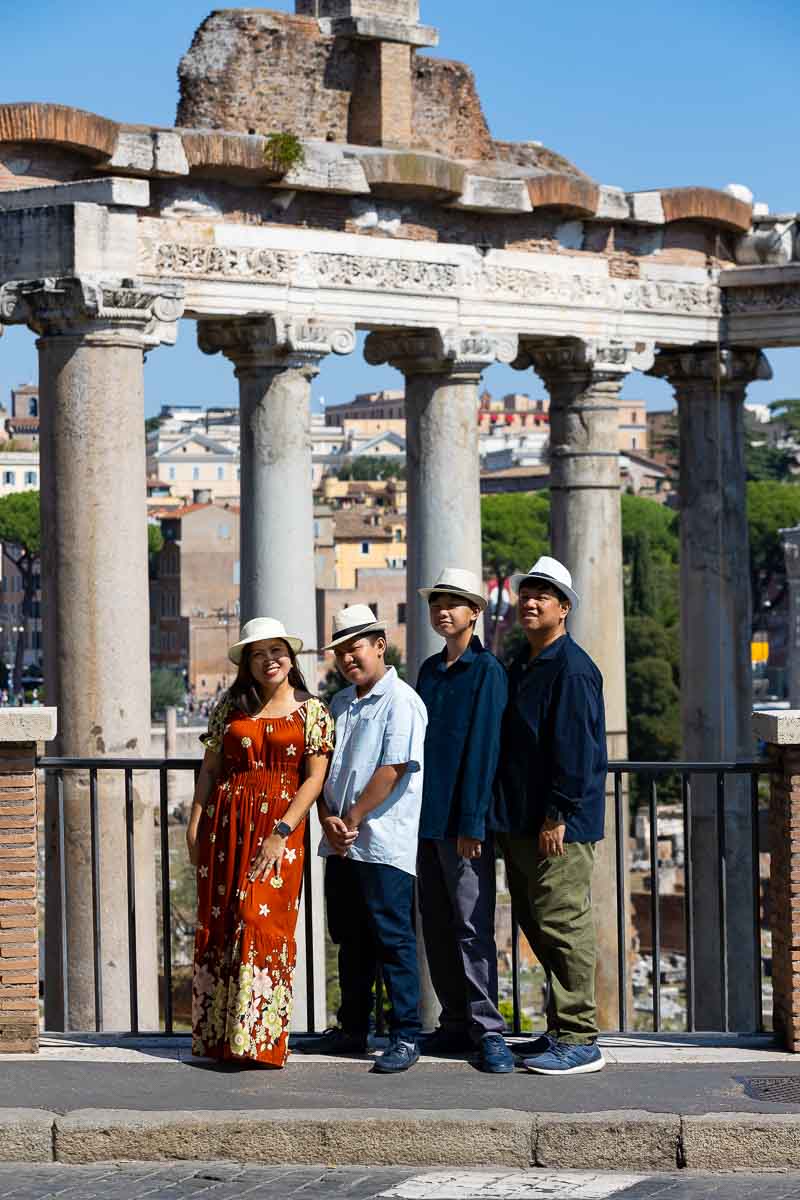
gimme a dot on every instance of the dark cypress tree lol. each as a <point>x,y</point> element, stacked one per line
<point>643,590</point>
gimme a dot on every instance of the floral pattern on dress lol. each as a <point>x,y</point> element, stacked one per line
<point>245,935</point>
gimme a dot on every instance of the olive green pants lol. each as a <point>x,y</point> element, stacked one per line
<point>552,903</point>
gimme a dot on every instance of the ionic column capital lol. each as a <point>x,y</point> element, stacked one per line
<point>275,342</point>
<point>460,352</point>
<point>701,369</point>
<point>584,361</point>
<point>107,311</point>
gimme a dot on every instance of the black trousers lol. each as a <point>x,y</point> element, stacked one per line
<point>370,909</point>
<point>457,900</point>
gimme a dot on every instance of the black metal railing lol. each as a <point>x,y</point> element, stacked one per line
<point>680,774</point>
<point>647,776</point>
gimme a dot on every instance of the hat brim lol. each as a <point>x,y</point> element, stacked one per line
<point>479,601</point>
<point>517,581</point>
<point>237,649</point>
<point>349,635</point>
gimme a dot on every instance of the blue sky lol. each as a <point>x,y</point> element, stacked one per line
<point>636,93</point>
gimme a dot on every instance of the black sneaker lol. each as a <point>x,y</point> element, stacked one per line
<point>335,1041</point>
<point>443,1041</point>
<point>398,1056</point>
<point>539,1045</point>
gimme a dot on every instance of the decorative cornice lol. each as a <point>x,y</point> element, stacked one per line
<point>106,310</point>
<point>709,366</point>
<point>777,298</point>
<point>275,341</point>
<point>437,351</point>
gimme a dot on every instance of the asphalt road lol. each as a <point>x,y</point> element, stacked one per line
<point>227,1181</point>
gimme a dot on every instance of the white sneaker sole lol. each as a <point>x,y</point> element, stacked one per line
<point>587,1069</point>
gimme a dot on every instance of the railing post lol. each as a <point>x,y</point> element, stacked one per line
<point>20,730</point>
<point>781,732</point>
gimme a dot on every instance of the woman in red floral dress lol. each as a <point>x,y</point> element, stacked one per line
<point>267,751</point>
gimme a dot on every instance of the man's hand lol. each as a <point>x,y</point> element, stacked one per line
<point>338,834</point>
<point>551,839</point>
<point>469,847</point>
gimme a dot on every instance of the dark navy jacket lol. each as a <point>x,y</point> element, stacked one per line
<point>553,751</point>
<point>465,704</point>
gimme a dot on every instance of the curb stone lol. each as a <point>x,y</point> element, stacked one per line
<point>26,1135</point>
<point>349,1137</point>
<point>730,1141</point>
<point>608,1140</point>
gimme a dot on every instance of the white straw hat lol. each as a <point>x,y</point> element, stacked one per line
<point>261,629</point>
<point>551,571</point>
<point>457,582</point>
<point>351,622</point>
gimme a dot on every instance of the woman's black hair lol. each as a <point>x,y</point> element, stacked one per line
<point>245,692</point>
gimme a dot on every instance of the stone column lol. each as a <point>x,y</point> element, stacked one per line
<point>716,671</point>
<point>275,360</point>
<point>790,544</point>
<point>781,732</point>
<point>20,730</point>
<point>93,335</point>
<point>584,379</point>
<point>443,372</point>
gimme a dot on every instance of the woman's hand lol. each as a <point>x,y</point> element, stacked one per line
<point>270,855</point>
<point>193,845</point>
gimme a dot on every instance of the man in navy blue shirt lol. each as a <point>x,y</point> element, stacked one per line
<point>549,811</point>
<point>464,690</point>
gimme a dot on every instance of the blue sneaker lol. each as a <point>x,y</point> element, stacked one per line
<point>564,1059</point>
<point>398,1056</point>
<point>494,1056</point>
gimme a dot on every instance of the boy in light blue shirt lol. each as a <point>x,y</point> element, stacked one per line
<point>370,820</point>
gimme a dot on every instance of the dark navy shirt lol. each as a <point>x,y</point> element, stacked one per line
<point>553,751</point>
<point>465,704</point>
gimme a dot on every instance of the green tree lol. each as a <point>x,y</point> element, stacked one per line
<point>788,413</point>
<point>367,468</point>
<point>765,462</point>
<point>515,532</point>
<point>643,587</point>
<point>167,690</point>
<point>654,733</point>
<point>21,535</point>
<point>155,539</point>
<point>648,637</point>
<point>770,508</point>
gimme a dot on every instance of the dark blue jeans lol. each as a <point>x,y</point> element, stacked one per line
<point>370,911</point>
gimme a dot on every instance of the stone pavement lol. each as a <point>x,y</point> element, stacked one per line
<point>706,1103</point>
<point>229,1181</point>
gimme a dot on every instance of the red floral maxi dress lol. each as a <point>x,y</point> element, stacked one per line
<point>244,951</point>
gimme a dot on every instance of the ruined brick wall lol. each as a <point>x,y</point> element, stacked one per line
<point>448,117</point>
<point>252,69</point>
<point>19,934</point>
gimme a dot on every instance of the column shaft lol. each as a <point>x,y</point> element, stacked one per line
<point>444,503</point>
<point>97,657</point>
<point>716,673</point>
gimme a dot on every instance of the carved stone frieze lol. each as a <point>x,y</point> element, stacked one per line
<point>778,298</point>
<point>488,280</point>
<point>103,309</point>
<point>438,351</point>
<point>275,341</point>
<point>705,367</point>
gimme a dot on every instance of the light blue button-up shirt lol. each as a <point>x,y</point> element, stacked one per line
<point>384,728</point>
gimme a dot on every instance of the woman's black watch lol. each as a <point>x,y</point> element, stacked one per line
<point>282,829</point>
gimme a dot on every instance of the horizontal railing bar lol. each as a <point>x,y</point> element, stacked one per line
<point>118,764</point>
<point>763,766</point>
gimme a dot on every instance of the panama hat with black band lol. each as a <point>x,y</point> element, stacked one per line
<point>453,581</point>
<point>353,622</point>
